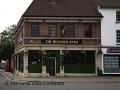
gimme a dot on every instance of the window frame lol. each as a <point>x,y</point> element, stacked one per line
<point>74,57</point>
<point>111,62</point>
<point>68,31</point>
<point>35,33</point>
<point>118,16</point>
<point>118,36</point>
<point>50,30</point>
<point>88,33</point>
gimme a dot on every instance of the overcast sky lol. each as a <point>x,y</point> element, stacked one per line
<point>11,11</point>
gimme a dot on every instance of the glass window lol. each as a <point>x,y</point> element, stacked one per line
<point>35,57</point>
<point>35,29</point>
<point>87,30</point>
<point>70,30</point>
<point>79,58</point>
<point>20,62</point>
<point>111,63</point>
<point>52,30</point>
<point>118,36</point>
<point>118,16</point>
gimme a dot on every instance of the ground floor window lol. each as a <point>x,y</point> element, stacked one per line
<point>79,57</point>
<point>35,61</point>
<point>111,63</point>
<point>20,62</point>
<point>79,61</point>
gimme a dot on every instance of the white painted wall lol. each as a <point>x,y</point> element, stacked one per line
<point>108,27</point>
<point>108,30</point>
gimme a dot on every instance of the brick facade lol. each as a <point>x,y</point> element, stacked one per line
<point>65,51</point>
<point>44,31</point>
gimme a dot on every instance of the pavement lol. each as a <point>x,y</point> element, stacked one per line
<point>70,79</point>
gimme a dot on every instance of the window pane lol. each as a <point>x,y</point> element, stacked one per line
<point>111,63</point>
<point>118,36</point>
<point>70,30</point>
<point>117,15</point>
<point>79,58</point>
<point>87,30</point>
<point>52,30</point>
<point>35,30</point>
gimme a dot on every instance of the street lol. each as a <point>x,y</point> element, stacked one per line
<point>47,85</point>
<point>67,86</point>
<point>2,79</point>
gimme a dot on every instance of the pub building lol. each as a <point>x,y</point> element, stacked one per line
<point>59,38</point>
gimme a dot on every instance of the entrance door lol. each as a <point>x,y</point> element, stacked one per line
<point>52,66</point>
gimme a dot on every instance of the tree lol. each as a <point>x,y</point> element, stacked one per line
<point>7,44</point>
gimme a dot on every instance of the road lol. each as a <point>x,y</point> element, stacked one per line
<point>44,85</point>
<point>2,79</point>
<point>66,86</point>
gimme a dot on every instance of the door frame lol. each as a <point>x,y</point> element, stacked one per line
<point>54,64</point>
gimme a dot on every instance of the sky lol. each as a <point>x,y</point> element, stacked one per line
<point>11,12</point>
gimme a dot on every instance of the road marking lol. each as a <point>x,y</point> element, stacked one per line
<point>5,76</point>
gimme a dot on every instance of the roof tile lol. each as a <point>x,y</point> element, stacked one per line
<point>74,8</point>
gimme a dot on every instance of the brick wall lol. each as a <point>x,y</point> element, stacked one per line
<point>43,29</point>
<point>19,35</point>
<point>79,30</point>
<point>44,32</point>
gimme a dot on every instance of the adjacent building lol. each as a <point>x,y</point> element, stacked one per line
<point>110,35</point>
<point>59,38</point>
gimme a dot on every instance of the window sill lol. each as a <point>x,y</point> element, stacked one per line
<point>117,22</point>
<point>118,44</point>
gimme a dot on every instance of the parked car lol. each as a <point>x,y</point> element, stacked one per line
<point>3,64</point>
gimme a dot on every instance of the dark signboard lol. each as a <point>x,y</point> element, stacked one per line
<point>60,41</point>
<point>113,50</point>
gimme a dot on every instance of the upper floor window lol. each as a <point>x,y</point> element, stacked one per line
<point>35,29</point>
<point>118,16</point>
<point>87,30</point>
<point>118,36</point>
<point>70,30</point>
<point>52,30</point>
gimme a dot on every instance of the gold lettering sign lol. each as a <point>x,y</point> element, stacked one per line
<point>58,41</point>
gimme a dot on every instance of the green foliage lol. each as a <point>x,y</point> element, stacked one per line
<point>7,44</point>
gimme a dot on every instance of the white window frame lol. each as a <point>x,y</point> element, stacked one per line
<point>103,63</point>
<point>117,18</point>
<point>118,37</point>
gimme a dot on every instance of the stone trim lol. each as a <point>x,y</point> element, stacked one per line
<point>64,18</point>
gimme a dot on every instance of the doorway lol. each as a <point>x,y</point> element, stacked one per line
<point>52,62</point>
<point>52,66</point>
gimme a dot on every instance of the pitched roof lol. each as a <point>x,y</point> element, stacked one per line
<point>107,3</point>
<point>70,8</point>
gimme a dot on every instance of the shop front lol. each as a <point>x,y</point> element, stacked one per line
<point>57,62</point>
<point>111,61</point>
<point>70,61</point>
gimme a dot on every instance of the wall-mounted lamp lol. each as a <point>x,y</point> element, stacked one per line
<point>31,41</point>
<point>99,51</point>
